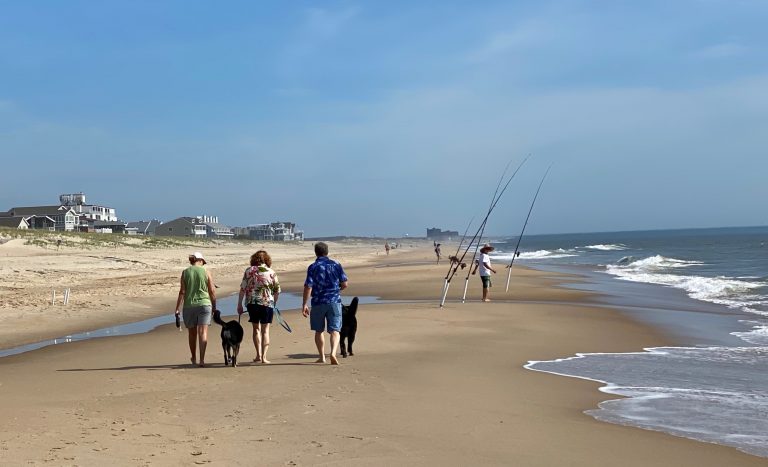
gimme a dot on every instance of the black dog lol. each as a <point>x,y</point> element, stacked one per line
<point>231,337</point>
<point>348,326</point>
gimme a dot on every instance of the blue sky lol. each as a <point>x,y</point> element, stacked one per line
<point>385,118</point>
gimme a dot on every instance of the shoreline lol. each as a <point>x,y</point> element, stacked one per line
<point>395,372</point>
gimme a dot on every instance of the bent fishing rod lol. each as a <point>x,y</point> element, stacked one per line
<point>451,265</point>
<point>456,255</point>
<point>522,232</point>
<point>464,237</point>
<point>497,196</point>
<point>477,247</point>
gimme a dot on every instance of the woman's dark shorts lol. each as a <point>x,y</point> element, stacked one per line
<point>486,281</point>
<point>260,313</point>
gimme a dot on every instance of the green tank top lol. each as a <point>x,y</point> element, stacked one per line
<point>195,287</point>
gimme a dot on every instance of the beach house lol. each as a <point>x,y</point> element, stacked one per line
<point>197,226</point>
<point>142,227</point>
<point>50,217</point>
<point>182,227</point>
<point>86,211</point>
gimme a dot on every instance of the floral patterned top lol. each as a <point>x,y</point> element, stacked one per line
<point>260,285</point>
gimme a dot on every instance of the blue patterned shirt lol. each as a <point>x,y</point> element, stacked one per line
<point>324,276</point>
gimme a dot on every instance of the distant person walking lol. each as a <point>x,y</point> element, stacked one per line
<point>386,247</point>
<point>484,264</point>
<point>437,251</point>
<point>197,294</point>
<point>261,289</point>
<point>325,281</point>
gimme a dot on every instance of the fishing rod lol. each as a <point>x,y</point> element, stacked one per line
<point>520,238</point>
<point>474,254</point>
<point>456,255</point>
<point>477,247</point>
<point>450,263</point>
<point>464,237</point>
<point>494,202</point>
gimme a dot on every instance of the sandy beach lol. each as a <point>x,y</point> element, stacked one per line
<point>427,386</point>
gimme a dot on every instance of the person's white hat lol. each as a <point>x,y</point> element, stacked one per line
<point>487,247</point>
<point>198,256</point>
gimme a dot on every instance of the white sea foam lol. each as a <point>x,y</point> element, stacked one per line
<point>609,247</point>
<point>758,335</point>
<point>730,291</point>
<point>539,254</point>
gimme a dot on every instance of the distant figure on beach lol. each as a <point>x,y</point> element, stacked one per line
<point>199,299</point>
<point>325,281</point>
<point>437,252</point>
<point>58,244</point>
<point>386,247</point>
<point>261,289</point>
<point>484,264</point>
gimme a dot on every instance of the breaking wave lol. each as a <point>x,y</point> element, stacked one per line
<point>610,247</point>
<point>730,291</point>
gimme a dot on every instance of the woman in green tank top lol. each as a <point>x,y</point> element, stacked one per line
<point>197,294</point>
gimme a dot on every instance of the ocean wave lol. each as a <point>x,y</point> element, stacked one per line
<point>758,335</point>
<point>609,247</point>
<point>652,264</point>
<point>539,254</point>
<point>729,291</point>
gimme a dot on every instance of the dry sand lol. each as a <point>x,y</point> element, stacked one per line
<point>427,386</point>
<point>123,284</point>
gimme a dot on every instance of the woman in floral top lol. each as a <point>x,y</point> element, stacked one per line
<point>261,290</point>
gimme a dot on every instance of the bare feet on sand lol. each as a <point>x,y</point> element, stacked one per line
<point>193,360</point>
<point>320,360</point>
<point>487,300</point>
<point>265,361</point>
<point>257,360</point>
<point>334,360</point>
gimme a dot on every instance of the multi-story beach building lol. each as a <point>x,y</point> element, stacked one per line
<point>442,235</point>
<point>88,211</point>
<point>275,231</point>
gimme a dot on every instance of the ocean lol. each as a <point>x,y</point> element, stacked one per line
<point>706,287</point>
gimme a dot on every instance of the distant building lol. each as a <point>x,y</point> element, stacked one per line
<point>142,227</point>
<point>41,223</point>
<point>16,222</point>
<point>72,214</point>
<point>64,218</point>
<point>442,235</point>
<point>182,227</point>
<point>198,227</point>
<point>103,226</point>
<point>275,231</point>
<point>214,230</point>
<point>88,211</point>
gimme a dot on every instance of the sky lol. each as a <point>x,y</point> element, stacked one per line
<point>384,118</point>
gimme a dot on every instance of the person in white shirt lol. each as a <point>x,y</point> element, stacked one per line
<point>484,265</point>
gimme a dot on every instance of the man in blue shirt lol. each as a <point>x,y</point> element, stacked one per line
<point>325,281</point>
